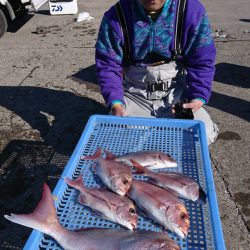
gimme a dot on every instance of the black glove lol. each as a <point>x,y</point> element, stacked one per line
<point>182,113</point>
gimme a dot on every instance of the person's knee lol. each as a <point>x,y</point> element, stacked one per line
<point>212,136</point>
<point>211,128</point>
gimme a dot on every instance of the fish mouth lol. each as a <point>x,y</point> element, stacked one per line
<point>131,226</point>
<point>171,164</point>
<point>120,192</point>
<point>134,225</point>
<point>182,233</point>
<point>121,185</point>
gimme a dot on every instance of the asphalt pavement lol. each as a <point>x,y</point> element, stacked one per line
<point>48,90</point>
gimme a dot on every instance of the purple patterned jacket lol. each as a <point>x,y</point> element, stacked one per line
<point>146,36</point>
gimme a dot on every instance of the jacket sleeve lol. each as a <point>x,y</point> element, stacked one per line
<point>109,56</point>
<point>199,59</point>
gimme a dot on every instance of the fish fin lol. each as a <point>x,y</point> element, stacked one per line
<point>101,198</point>
<point>109,155</point>
<point>42,217</point>
<point>77,183</point>
<point>94,167</point>
<point>97,154</point>
<point>101,215</point>
<point>202,197</point>
<point>139,168</point>
<point>82,199</point>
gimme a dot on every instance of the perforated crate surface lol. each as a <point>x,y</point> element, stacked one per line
<point>184,140</point>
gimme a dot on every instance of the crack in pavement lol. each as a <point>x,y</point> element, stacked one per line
<point>227,190</point>
<point>16,92</point>
<point>37,67</point>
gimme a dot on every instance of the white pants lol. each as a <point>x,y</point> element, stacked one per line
<point>137,103</point>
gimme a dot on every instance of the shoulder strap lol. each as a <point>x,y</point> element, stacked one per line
<point>122,21</point>
<point>178,28</point>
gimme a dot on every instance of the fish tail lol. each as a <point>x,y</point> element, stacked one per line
<point>77,183</point>
<point>109,155</point>
<point>97,154</point>
<point>139,169</point>
<point>43,218</point>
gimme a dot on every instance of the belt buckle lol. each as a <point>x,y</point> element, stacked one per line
<point>151,87</point>
<point>158,86</point>
<point>154,89</point>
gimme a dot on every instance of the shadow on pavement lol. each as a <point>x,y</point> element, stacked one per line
<point>26,166</point>
<point>18,23</point>
<point>232,105</point>
<point>232,74</point>
<point>43,12</point>
<point>59,116</point>
<point>87,75</point>
<point>245,20</point>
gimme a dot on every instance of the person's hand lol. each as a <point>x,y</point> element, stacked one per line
<point>194,105</point>
<point>119,110</point>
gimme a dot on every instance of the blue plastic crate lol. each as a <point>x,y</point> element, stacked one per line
<point>184,140</point>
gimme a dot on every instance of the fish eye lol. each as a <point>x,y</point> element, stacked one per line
<point>125,181</point>
<point>132,211</point>
<point>183,216</point>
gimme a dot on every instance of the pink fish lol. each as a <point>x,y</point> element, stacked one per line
<point>44,219</point>
<point>161,205</point>
<point>110,205</point>
<point>149,159</point>
<point>182,185</point>
<point>115,175</point>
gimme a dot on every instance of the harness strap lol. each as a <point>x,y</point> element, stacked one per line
<point>179,28</point>
<point>122,21</point>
